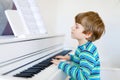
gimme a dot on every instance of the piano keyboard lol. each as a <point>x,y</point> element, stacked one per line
<point>35,69</point>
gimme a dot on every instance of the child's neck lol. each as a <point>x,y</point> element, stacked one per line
<point>81,42</point>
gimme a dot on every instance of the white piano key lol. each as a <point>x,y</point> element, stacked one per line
<point>50,73</point>
<point>11,78</point>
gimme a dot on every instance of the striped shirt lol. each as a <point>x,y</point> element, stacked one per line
<point>85,63</point>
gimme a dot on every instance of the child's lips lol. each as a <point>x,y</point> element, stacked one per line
<point>71,32</point>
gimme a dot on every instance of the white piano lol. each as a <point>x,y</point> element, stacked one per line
<point>29,58</point>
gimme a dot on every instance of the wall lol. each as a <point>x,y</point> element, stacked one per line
<point>59,17</point>
<point>48,10</point>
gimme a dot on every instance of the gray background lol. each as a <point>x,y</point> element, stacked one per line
<point>4,25</point>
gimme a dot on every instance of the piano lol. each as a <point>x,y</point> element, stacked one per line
<point>29,58</point>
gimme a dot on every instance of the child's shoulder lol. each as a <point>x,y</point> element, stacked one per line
<point>89,47</point>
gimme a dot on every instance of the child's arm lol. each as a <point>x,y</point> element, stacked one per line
<point>86,64</point>
<point>74,58</point>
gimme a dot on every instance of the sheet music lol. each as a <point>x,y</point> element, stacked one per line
<point>16,24</point>
<point>30,16</point>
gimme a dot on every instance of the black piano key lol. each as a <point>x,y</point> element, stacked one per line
<point>30,72</point>
<point>37,67</point>
<point>42,65</point>
<point>64,52</point>
<point>25,75</point>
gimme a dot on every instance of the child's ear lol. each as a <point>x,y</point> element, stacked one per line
<point>88,34</point>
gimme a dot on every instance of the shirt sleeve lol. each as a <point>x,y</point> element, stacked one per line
<point>86,64</point>
<point>74,58</point>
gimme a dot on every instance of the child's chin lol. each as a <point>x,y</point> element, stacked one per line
<point>72,37</point>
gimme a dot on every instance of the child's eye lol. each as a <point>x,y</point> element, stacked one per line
<point>76,27</point>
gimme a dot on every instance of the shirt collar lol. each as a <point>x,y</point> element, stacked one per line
<point>83,47</point>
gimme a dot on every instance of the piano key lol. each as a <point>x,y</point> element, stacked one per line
<point>30,72</point>
<point>11,78</point>
<point>47,71</point>
<point>25,75</point>
<point>50,73</point>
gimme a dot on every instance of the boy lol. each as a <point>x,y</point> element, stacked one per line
<point>86,65</point>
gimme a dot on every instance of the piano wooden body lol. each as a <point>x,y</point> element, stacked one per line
<point>29,58</point>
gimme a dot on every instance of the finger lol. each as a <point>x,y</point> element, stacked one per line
<point>52,61</point>
<point>58,57</point>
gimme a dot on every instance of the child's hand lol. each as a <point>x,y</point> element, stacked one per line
<point>55,61</point>
<point>67,57</point>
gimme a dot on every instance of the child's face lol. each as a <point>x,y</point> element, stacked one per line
<point>77,32</point>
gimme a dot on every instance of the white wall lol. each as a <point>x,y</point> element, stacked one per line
<point>48,10</point>
<point>59,17</point>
